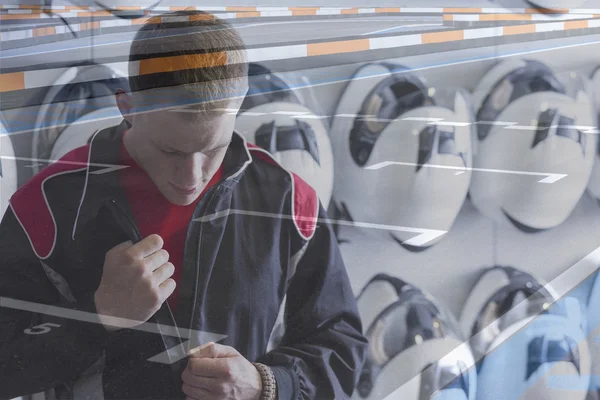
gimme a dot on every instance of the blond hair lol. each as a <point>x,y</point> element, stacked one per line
<point>194,57</point>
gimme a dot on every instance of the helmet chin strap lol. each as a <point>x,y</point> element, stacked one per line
<point>125,16</point>
<point>48,10</point>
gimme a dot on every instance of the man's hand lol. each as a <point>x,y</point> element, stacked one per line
<point>135,282</point>
<point>216,371</point>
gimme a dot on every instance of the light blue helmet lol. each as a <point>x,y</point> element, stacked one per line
<point>526,346</point>
<point>588,294</point>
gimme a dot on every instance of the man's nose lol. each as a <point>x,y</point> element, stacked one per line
<point>189,169</point>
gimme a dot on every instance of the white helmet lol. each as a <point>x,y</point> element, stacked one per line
<point>594,183</point>
<point>273,118</point>
<point>557,4</point>
<point>8,170</point>
<point>550,138</point>
<point>526,349</point>
<point>265,87</point>
<point>79,103</point>
<point>413,346</point>
<point>391,117</point>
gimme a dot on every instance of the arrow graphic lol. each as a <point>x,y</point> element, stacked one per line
<point>172,355</point>
<point>424,235</point>
<point>549,177</point>
<point>104,168</point>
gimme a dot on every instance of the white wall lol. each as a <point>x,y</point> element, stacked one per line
<point>449,269</point>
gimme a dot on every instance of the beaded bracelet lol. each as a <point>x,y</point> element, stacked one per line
<point>269,389</point>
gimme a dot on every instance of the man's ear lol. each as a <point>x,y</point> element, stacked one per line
<point>237,101</point>
<point>125,104</point>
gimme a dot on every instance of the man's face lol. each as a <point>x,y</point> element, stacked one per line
<point>180,149</point>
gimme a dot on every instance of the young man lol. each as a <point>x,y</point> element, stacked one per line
<point>109,273</point>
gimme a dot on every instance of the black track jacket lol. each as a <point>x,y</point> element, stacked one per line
<point>258,250</point>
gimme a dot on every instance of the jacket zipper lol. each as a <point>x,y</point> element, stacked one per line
<point>119,213</point>
<point>217,188</point>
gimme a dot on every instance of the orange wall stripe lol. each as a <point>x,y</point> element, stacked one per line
<point>518,30</point>
<point>576,25</point>
<point>15,16</point>
<point>304,12</point>
<point>128,8</point>
<point>149,20</point>
<point>235,8</point>
<point>387,10</point>
<point>345,46</point>
<point>179,63</point>
<point>505,17</point>
<point>247,14</point>
<point>58,11</point>
<point>463,10</point>
<point>44,31</point>
<point>303,8</point>
<point>12,81</point>
<point>89,25</point>
<point>94,14</point>
<point>441,37</point>
<point>202,17</point>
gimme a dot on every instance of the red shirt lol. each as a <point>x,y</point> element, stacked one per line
<point>153,213</point>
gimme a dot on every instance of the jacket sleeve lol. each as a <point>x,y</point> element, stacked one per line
<point>323,350</point>
<point>39,351</point>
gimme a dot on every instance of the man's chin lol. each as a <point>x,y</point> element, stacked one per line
<point>182,200</point>
<point>176,198</point>
<point>179,198</point>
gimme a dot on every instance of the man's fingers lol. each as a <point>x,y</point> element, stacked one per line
<point>205,350</point>
<point>213,350</point>
<point>149,245</point>
<point>208,367</point>
<point>163,273</point>
<point>202,382</point>
<point>167,288</point>
<point>156,260</point>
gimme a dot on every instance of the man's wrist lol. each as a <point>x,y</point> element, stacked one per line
<point>269,385</point>
<point>104,319</point>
